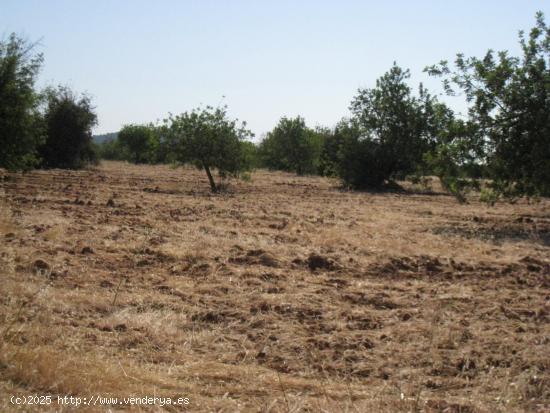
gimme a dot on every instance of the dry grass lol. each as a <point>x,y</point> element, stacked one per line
<point>284,294</point>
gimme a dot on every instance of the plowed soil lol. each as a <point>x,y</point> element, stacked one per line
<point>282,294</point>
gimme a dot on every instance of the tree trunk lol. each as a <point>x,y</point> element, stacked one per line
<point>213,186</point>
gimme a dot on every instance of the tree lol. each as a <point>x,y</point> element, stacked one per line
<point>162,151</point>
<point>68,121</point>
<point>392,130</point>
<point>140,142</point>
<point>20,133</point>
<point>292,146</point>
<point>250,155</point>
<point>208,139</point>
<point>329,145</point>
<point>455,160</point>
<point>358,162</point>
<point>112,150</point>
<point>510,104</point>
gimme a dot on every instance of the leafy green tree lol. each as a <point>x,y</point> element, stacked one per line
<point>292,146</point>
<point>20,132</point>
<point>510,104</point>
<point>162,151</point>
<point>68,120</point>
<point>140,143</point>
<point>455,160</point>
<point>206,138</point>
<point>250,155</point>
<point>112,150</point>
<point>333,141</point>
<point>321,137</point>
<point>358,163</point>
<point>392,129</point>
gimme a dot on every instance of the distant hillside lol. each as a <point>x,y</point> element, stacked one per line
<point>105,137</point>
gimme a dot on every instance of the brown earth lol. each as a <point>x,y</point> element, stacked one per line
<point>283,294</point>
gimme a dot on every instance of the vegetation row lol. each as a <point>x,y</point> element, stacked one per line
<point>392,132</point>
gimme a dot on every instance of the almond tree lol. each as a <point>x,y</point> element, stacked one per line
<point>510,105</point>
<point>206,138</point>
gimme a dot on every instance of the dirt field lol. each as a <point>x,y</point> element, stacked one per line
<point>284,294</point>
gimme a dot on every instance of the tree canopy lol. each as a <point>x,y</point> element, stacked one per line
<point>292,146</point>
<point>68,120</point>
<point>509,101</point>
<point>20,132</point>
<point>139,141</point>
<point>392,131</point>
<point>389,132</point>
<point>207,138</point>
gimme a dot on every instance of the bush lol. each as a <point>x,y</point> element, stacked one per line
<point>488,196</point>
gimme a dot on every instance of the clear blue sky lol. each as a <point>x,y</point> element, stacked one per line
<point>142,59</point>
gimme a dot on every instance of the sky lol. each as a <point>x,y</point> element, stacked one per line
<point>140,60</point>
